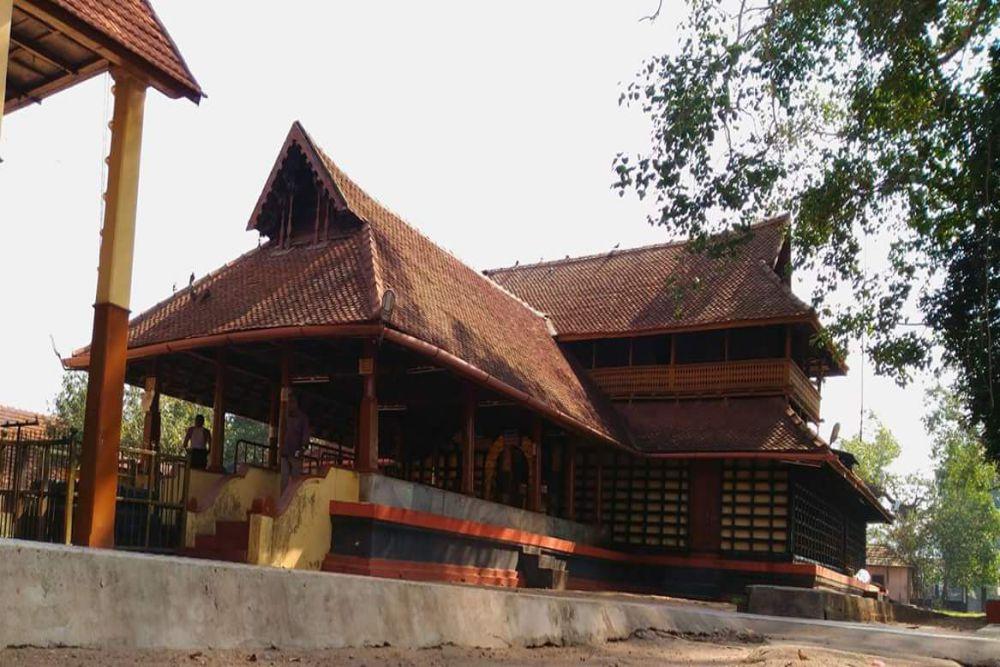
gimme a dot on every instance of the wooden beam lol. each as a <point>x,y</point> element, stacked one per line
<point>569,481</point>
<point>535,478</point>
<point>367,448</point>
<point>218,413</point>
<point>468,462</point>
<point>284,394</point>
<point>151,413</point>
<point>95,519</point>
<point>273,423</point>
<point>6,12</point>
<point>41,55</point>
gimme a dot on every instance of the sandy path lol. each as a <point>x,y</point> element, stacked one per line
<point>646,649</point>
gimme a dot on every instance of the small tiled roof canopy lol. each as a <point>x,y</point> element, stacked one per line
<point>736,425</point>
<point>134,25</point>
<point>439,300</point>
<point>33,424</point>
<point>663,287</point>
<point>58,43</point>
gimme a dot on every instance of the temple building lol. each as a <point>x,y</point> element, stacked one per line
<point>644,419</point>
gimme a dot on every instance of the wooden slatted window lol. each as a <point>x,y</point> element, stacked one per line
<point>442,471</point>
<point>820,525</point>
<point>644,503</point>
<point>755,517</point>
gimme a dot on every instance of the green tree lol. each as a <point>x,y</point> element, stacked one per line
<point>70,405</point>
<point>875,122</point>
<point>908,537</point>
<point>965,521</point>
<point>176,415</point>
<point>874,458</point>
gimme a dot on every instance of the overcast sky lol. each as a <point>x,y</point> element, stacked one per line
<point>490,127</point>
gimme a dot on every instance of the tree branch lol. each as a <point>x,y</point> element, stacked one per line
<point>652,17</point>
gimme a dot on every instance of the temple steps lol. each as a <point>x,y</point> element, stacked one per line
<point>229,543</point>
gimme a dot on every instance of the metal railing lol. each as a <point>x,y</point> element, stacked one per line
<point>254,454</point>
<point>723,378</point>
<point>35,481</point>
<point>319,455</point>
<point>152,500</point>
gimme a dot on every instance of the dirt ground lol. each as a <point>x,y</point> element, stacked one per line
<point>646,648</point>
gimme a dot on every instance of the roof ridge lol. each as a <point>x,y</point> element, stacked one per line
<point>175,48</point>
<point>787,290</point>
<point>378,285</point>
<point>329,162</point>
<point>614,252</point>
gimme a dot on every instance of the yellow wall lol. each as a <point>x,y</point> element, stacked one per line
<point>226,498</point>
<point>301,533</point>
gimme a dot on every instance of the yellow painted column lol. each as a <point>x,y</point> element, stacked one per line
<point>6,9</point>
<point>95,521</point>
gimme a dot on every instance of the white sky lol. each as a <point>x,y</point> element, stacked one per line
<point>491,127</point>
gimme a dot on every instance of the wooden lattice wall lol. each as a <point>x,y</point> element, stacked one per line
<point>642,502</point>
<point>755,502</point>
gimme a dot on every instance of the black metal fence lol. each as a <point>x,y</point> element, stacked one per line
<point>38,482</point>
<point>152,500</point>
<point>314,457</point>
<point>253,454</point>
<point>35,481</point>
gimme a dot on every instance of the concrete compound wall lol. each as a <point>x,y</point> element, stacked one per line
<point>70,596</point>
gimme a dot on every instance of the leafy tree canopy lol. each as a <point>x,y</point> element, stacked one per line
<point>874,458</point>
<point>965,519</point>
<point>69,406</point>
<point>877,124</point>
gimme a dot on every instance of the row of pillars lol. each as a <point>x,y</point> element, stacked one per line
<point>366,454</point>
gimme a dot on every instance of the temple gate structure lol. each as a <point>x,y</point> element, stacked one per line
<point>643,419</point>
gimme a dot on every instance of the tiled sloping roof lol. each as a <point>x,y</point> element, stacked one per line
<point>880,554</point>
<point>134,25</point>
<point>659,287</point>
<point>439,300</point>
<point>303,286</point>
<point>442,301</point>
<point>13,416</point>
<point>715,425</point>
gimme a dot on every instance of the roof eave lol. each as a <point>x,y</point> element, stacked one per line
<point>116,53</point>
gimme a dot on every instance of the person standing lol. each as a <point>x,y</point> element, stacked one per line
<point>196,440</point>
<point>296,437</point>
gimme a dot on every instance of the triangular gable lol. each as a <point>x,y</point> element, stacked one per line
<point>298,154</point>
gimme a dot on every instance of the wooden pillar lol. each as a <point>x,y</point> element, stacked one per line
<point>6,9</point>
<point>366,454</point>
<point>218,414</point>
<point>569,481</point>
<point>151,413</point>
<point>705,506</point>
<point>468,463</point>
<point>535,478</point>
<point>283,395</point>
<point>599,495</point>
<point>95,522</point>
<point>273,419</point>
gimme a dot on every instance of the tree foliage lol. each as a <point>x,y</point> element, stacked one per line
<point>965,520</point>
<point>874,458</point>
<point>875,123</point>
<point>176,415</point>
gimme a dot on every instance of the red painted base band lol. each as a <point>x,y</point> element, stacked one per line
<point>473,529</point>
<point>419,571</point>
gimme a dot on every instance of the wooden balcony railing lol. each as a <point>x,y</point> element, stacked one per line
<point>723,378</point>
